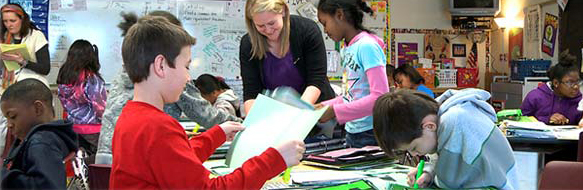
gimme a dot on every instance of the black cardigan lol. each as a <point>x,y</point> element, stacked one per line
<point>309,55</point>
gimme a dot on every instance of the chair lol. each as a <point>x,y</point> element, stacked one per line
<point>580,148</point>
<point>99,176</point>
<point>562,175</point>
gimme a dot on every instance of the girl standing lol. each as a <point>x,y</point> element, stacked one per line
<point>364,61</point>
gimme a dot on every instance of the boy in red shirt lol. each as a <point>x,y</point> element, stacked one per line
<point>150,148</point>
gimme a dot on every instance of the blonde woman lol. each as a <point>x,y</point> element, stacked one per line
<point>282,50</point>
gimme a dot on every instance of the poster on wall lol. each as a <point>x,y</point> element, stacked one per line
<point>532,23</point>
<point>459,50</point>
<point>407,53</point>
<point>436,47</point>
<point>550,34</point>
<point>515,47</point>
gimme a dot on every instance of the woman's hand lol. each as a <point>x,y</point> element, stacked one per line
<point>558,119</point>
<point>13,57</point>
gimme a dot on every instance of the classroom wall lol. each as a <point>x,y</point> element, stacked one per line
<point>500,37</point>
<point>420,14</point>
<point>431,14</point>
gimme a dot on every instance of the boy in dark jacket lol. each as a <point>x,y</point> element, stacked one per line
<point>35,160</point>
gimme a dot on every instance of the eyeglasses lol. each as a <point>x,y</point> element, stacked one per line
<point>572,84</point>
<point>405,158</point>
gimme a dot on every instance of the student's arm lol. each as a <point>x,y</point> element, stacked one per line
<point>529,107</point>
<point>47,171</point>
<point>252,83</point>
<point>96,93</point>
<point>315,63</point>
<point>226,106</point>
<point>247,105</point>
<point>43,64</point>
<point>200,110</point>
<point>311,94</point>
<point>372,59</point>
<point>333,101</point>
<point>208,140</point>
<point>363,106</point>
<point>177,157</point>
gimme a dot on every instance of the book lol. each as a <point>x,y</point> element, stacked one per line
<point>349,155</point>
<point>354,166</point>
<point>15,49</point>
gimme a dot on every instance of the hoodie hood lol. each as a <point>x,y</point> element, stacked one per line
<point>63,129</point>
<point>229,95</point>
<point>476,97</point>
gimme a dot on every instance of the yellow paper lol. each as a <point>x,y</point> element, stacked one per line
<point>16,49</point>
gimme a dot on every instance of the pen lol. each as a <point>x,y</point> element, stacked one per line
<point>419,172</point>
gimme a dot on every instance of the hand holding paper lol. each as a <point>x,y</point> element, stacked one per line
<point>292,152</point>
<point>12,54</point>
<point>231,128</point>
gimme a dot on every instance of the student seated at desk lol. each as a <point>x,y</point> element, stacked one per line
<point>390,77</point>
<point>472,151</point>
<point>35,160</point>
<point>556,101</point>
<point>218,93</point>
<point>407,77</point>
<point>150,148</point>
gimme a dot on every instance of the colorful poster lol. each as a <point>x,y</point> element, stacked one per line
<point>407,52</point>
<point>515,47</point>
<point>550,34</point>
<point>436,47</point>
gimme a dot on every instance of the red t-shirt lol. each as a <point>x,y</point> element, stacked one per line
<point>151,151</point>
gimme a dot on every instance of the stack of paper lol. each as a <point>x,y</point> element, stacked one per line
<point>541,130</point>
<point>537,130</point>
<point>320,177</point>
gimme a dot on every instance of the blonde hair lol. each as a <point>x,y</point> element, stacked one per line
<point>259,44</point>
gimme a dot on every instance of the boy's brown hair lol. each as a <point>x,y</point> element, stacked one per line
<point>397,117</point>
<point>149,37</point>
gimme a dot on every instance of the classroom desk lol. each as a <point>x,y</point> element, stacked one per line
<point>530,154</point>
<point>378,176</point>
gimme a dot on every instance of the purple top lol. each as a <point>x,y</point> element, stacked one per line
<point>84,101</point>
<point>542,103</point>
<point>281,72</point>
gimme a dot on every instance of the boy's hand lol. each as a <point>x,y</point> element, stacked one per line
<point>328,114</point>
<point>231,128</point>
<point>558,119</point>
<point>581,123</point>
<point>291,151</point>
<point>423,181</point>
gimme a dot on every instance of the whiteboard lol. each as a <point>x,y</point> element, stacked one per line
<point>217,25</point>
<point>95,21</point>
